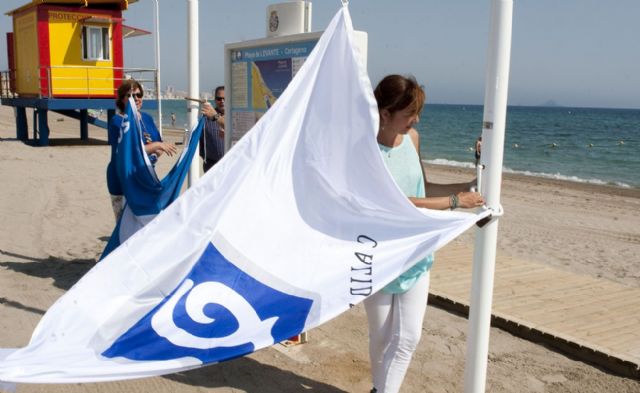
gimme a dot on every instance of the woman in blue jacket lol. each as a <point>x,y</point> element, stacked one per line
<point>154,146</point>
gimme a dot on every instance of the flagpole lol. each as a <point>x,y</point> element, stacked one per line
<point>194,81</point>
<point>157,44</point>
<point>484,259</point>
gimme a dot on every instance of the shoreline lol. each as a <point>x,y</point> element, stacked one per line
<point>590,229</point>
<point>611,189</point>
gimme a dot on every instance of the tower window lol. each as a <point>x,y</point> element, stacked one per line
<point>95,43</point>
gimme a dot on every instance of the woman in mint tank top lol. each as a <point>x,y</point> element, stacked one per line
<point>396,312</point>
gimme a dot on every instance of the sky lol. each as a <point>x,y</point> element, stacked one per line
<point>583,53</point>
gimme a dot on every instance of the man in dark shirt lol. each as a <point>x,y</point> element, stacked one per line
<point>212,139</point>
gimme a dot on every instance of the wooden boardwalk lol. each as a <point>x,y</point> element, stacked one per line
<point>594,319</point>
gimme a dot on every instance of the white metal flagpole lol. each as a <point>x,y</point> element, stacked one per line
<point>194,80</point>
<point>157,44</point>
<point>484,259</point>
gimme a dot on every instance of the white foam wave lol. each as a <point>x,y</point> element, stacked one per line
<point>555,176</point>
<point>559,176</point>
<point>457,164</point>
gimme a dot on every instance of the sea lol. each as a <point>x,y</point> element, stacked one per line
<point>586,145</point>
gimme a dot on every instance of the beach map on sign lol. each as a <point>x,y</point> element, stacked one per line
<point>259,76</point>
<point>263,97</point>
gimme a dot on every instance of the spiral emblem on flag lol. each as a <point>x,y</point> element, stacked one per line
<point>217,312</point>
<point>193,302</point>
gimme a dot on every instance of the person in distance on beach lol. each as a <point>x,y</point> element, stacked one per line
<point>396,312</point>
<point>154,146</point>
<point>478,149</point>
<point>212,139</point>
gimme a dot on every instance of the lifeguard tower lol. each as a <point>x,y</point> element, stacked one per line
<point>66,56</point>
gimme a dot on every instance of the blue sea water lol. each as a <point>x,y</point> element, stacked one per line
<point>592,145</point>
<point>578,144</point>
<point>177,106</point>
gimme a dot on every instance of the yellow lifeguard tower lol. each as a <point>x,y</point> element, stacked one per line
<point>66,56</point>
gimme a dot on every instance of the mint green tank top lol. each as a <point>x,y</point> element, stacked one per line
<point>404,164</point>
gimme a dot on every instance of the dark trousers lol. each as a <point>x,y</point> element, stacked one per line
<point>206,165</point>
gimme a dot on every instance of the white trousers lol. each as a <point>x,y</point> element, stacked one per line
<point>395,327</point>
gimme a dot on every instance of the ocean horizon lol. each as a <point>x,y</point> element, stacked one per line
<point>585,145</point>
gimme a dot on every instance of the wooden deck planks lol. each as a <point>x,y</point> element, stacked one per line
<point>585,311</point>
<point>558,305</point>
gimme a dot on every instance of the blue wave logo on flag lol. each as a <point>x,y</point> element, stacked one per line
<point>218,312</point>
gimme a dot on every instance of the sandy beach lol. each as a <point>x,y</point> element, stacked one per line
<point>56,219</point>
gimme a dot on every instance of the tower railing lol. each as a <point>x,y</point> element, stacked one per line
<point>78,82</point>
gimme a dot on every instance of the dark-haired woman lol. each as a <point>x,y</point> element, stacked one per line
<point>396,313</point>
<point>154,146</point>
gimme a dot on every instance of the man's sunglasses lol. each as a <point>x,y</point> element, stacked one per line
<point>219,98</point>
<point>137,95</point>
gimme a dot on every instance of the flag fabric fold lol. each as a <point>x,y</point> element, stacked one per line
<point>145,194</point>
<point>297,223</point>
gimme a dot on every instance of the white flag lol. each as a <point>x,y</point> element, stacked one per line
<point>298,222</point>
